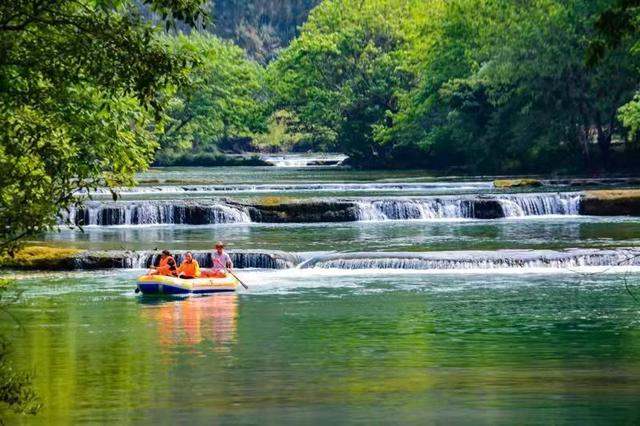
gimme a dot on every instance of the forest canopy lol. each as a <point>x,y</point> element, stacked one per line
<point>484,86</point>
<point>475,86</point>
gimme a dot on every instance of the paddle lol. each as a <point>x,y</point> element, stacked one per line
<point>232,274</point>
<point>236,277</point>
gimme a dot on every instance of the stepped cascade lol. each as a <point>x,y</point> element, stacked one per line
<point>427,261</point>
<point>477,260</point>
<point>156,213</point>
<point>209,212</point>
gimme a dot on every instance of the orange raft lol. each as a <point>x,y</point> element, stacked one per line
<point>162,284</point>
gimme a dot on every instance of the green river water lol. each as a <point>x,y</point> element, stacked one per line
<point>306,346</point>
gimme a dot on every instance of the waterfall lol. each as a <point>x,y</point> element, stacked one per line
<point>477,260</point>
<point>436,208</point>
<point>437,186</point>
<point>485,207</point>
<point>425,261</point>
<point>156,213</point>
<point>205,212</point>
<point>540,204</point>
<point>294,160</point>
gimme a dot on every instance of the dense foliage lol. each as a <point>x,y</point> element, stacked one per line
<point>220,102</point>
<point>79,80</point>
<point>487,86</point>
<point>341,77</point>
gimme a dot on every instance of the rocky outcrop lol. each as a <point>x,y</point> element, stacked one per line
<point>516,183</point>
<point>304,212</point>
<point>611,203</point>
<point>41,257</point>
<point>593,182</point>
<point>487,209</point>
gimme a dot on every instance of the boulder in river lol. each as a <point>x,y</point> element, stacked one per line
<point>611,203</point>
<point>304,212</point>
<point>487,209</point>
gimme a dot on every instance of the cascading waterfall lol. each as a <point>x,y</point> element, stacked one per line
<point>302,187</point>
<point>205,212</point>
<point>415,209</point>
<point>456,208</point>
<point>476,260</point>
<point>426,261</point>
<point>157,212</point>
<point>540,204</point>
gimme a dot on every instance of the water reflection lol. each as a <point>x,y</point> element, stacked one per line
<point>193,320</point>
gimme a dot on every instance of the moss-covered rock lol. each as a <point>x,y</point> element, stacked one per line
<point>516,183</point>
<point>40,257</point>
<point>611,203</point>
<point>304,212</point>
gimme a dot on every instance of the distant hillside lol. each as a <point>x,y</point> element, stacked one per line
<point>261,27</point>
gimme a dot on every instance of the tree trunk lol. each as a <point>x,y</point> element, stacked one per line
<point>604,143</point>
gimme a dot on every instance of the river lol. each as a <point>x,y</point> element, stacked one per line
<point>395,317</point>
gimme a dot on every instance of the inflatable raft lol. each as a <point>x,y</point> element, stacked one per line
<point>161,284</point>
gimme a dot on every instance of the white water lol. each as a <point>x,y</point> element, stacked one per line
<point>414,209</point>
<point>155,213</point>
<point>478,260</point>
<point>540,204</point>
<point>302,160</point>
<point>301,188</point>
<point>459,208</point>
<point>207,212</point>
<point>423,261</point>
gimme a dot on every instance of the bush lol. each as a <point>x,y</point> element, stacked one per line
<point>205,159</point>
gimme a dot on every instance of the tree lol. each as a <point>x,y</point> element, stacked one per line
<point>341,76</point>
<point>220,100</point>
<point>79,89</point>
<point>617,27</point>
<point>506,88</point>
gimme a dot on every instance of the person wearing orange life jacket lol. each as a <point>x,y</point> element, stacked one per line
<point>167,265</point>
<point>189,268</point>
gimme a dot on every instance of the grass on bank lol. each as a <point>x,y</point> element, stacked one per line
<point>38,257</point>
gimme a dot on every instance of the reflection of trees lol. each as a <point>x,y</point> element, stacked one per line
<point>196,319</point>
<point>16,392</point>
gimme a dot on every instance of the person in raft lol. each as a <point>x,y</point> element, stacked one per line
<point>189,267</point>
<point>167,265</point>
<point>221,262</point>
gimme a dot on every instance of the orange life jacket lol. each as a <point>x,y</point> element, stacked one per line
<point>189,269</point>
<point>167,266</point>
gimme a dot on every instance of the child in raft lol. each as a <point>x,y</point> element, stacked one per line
<point>221,263</point>
<point>189,268</point>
